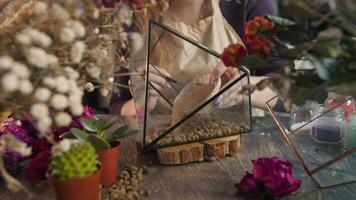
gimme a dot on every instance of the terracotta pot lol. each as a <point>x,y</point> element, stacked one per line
<point>109,160</point>
<point>87,188</point>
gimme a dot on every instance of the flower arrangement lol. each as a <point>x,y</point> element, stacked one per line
<point>38,165</point>
<point>52,52</point>
<point>329,47</point>
<point>271,178</point>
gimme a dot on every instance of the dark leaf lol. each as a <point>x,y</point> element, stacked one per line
<point>68,135</point>
<point>99,124</point>
<point>88,124</point>
<point>293,37</point>
<point>79,134</point>
<point>121,132</point>
<point>280,20</point>
<point>331,49</point>
<point>109,123</point>
<point>97,142</point>
<point>254,62</point>
<point>322,66</point>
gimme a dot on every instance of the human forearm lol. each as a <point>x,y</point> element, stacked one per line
<point>259,97</point>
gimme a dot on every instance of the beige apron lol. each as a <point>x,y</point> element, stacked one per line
<point>185,61</point>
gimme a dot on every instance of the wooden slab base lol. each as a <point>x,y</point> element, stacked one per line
<point>199,151</point>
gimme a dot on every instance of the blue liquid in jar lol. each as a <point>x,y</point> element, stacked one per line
<point>326,133</point>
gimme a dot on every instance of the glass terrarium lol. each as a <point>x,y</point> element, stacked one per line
<point>323,139</point>
<point>188,109</point>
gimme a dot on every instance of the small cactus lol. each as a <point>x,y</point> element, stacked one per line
<point>73,159</point>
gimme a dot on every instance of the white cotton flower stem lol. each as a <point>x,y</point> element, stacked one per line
<point>121,85</point>
<point>49,138</point>
<point>130,74</point>
<point>11,183</point>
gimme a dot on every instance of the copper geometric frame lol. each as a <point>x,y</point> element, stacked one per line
<point>294,148</point>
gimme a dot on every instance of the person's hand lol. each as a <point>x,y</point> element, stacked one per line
<point>157,82</point>
<point>232,96</point>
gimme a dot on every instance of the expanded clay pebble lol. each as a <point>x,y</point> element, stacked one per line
<point>126,187</point>
<point>199,128</point>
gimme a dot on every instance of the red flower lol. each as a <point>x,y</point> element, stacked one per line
<point>232,55</point>
<point>260,47</point>
<point>258,25</point>
<point>37,168</point>
<point>255,36</point>
<point>248,184</point>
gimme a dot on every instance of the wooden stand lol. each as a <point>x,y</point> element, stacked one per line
<point>206,150</point>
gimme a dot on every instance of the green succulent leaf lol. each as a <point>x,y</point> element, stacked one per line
<point>97,142</point>
<point>88,124</point>
<point>99,124</point>
<point>109,123</point>
<point>119,133</point>
<point>79,134</point>
<point>68,135</point>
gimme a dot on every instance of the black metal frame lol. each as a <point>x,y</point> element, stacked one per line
<point>150,146</point>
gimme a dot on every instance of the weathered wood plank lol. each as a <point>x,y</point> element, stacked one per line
<point>208,180</point>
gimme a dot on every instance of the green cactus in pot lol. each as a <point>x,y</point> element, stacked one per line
<point>73,159</point>
<point>102,134</point>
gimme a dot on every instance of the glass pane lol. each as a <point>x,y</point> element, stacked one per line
<point>187,91</point>
<point>324,138</point>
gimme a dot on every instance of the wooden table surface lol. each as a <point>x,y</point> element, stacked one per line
<point>209,180</point>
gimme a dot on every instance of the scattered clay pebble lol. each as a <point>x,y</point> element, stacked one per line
<point>133,168</point>
<point>126,187</point>
<point>141,192</point>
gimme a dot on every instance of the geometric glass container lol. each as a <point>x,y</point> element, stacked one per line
<point>186,110</point>
<point>323,144</point>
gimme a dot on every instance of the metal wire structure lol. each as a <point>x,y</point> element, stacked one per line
<point>147,147</point>
<point>294,147</point>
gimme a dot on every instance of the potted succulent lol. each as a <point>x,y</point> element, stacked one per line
<point>103,135</point>
<point>74,170</point>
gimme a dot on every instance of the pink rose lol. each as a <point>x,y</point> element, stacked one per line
<point>276,175</point>
<point>248,184</point>
<point>279,186</point>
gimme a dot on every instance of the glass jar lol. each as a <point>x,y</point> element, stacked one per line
<point>327,128</point>
<point>300,115</point>
<point>336,99</point>
<point>350,133</point>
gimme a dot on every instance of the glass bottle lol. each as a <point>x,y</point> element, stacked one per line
<point>336,99</point>
<point>329,127</point>
<point>300,115</point>
<point>350,133</point>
